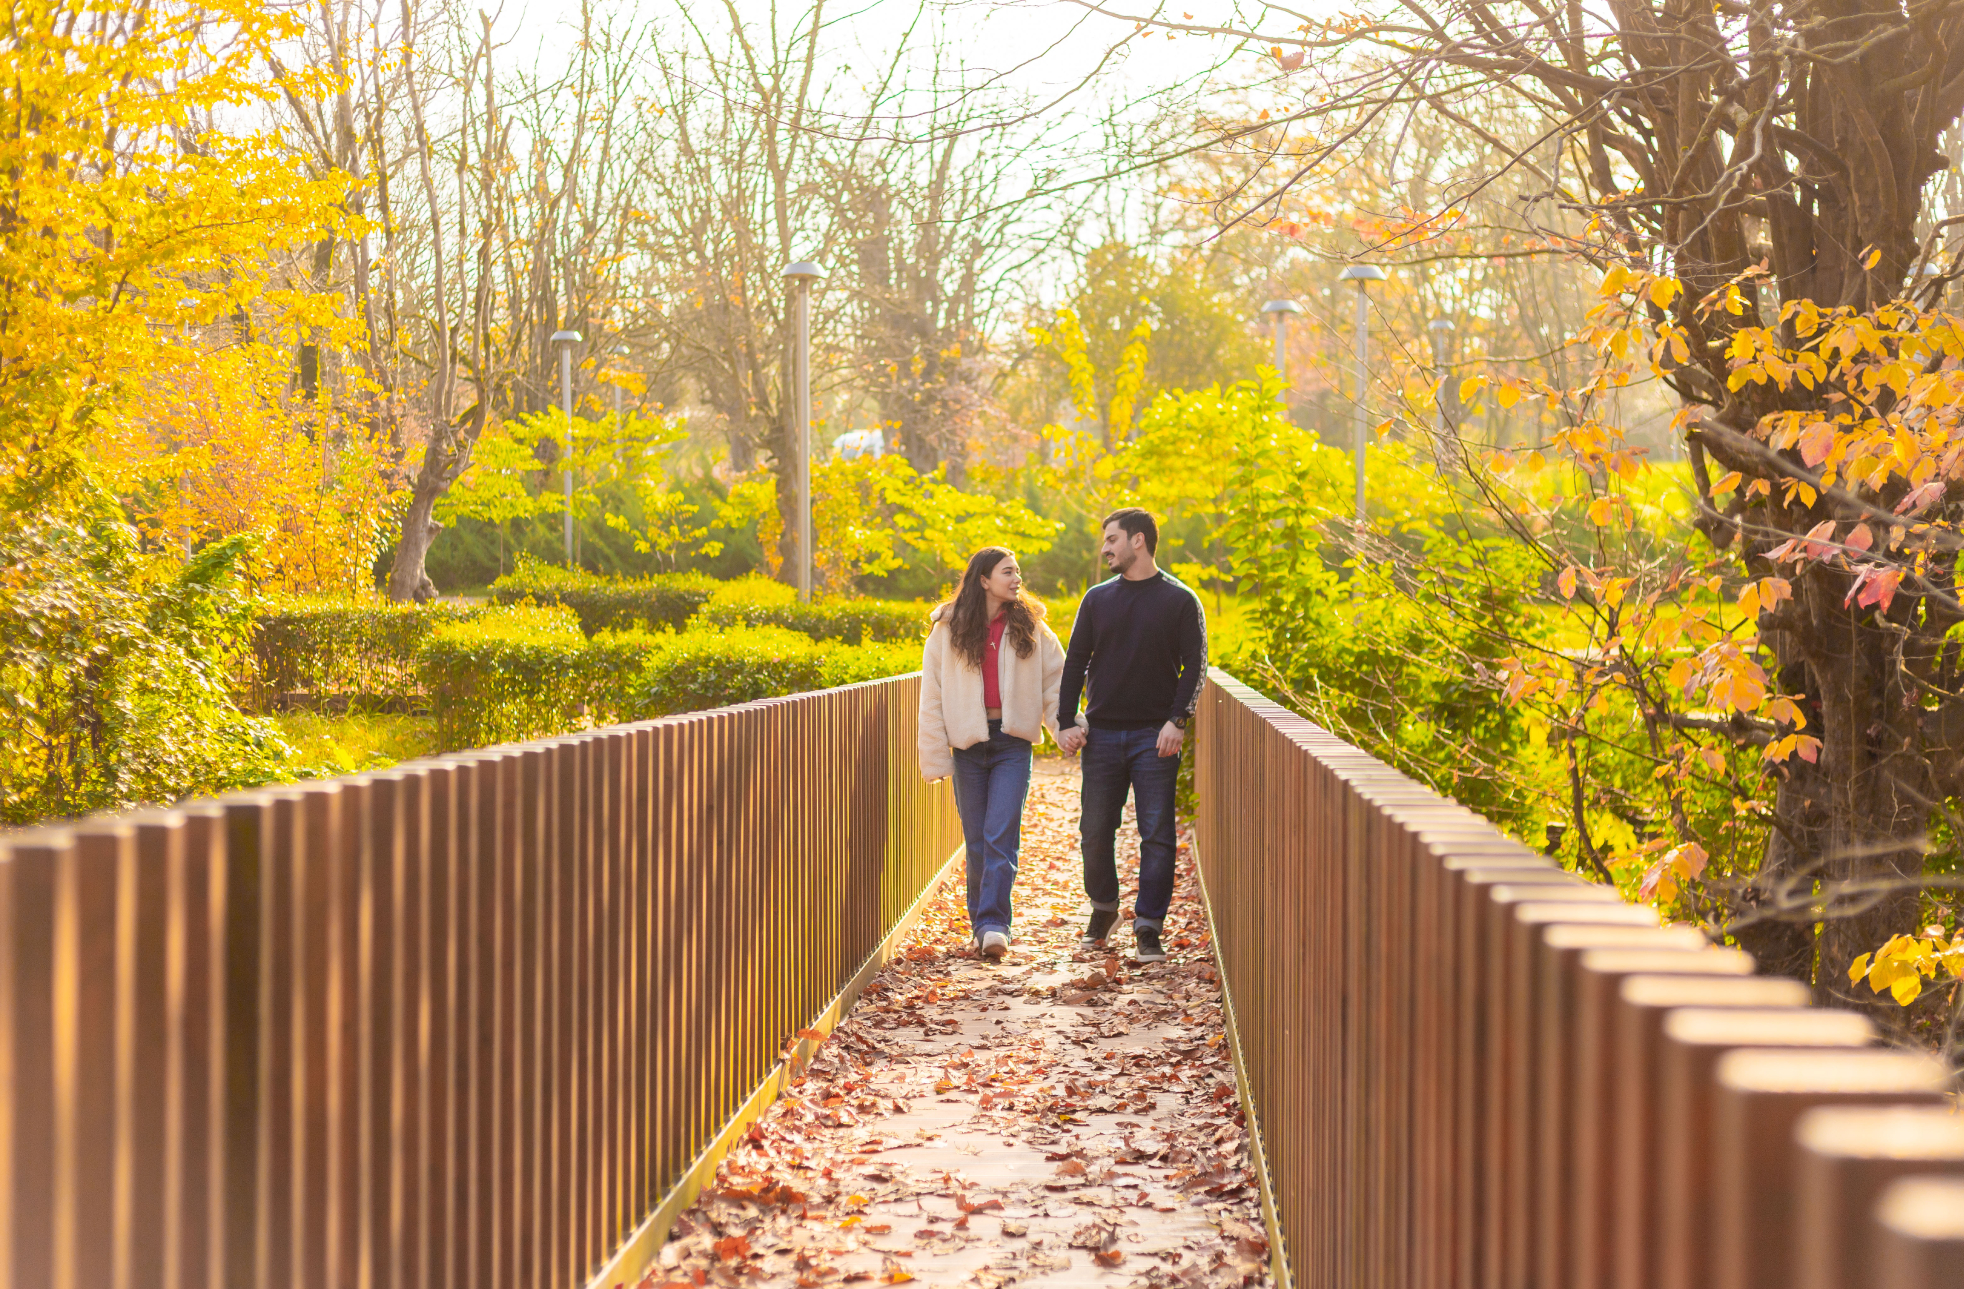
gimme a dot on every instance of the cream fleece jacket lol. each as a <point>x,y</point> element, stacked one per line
<point>952,714</point>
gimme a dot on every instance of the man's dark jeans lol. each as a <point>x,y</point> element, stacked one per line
<point>1115,762</point>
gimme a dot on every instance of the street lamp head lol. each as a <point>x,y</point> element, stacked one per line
<point>1282,306</point>
<point>1441,325</point>
<point>1362,273</point>
<point>804,269</point>
<point>565,337</point>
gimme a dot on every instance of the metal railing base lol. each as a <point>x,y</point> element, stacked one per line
<point>628,1265</point>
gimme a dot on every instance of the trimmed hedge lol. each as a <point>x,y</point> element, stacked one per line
<point>698,670</point>
<point>661,603</point>
<point>528,673</point>
<point>509,675</point>
<point>848,621</point>
<point>333,652</point>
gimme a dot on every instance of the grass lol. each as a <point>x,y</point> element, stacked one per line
<point>354,743</point>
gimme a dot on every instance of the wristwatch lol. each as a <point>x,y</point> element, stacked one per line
<point>1180,722</point>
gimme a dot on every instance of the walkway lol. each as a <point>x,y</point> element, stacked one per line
<point>1060,1119</point>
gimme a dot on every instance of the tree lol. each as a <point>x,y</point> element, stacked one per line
<point>1775,284</point>
<point>1191,457</point>
<point>899,190</point>
<point>1134,327</point>
<point>125,217</point>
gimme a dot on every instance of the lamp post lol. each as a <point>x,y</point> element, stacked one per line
<point>1282,309</point>
<point>798,278</point>
<point>1361,274</point>
<point>1447,450</point>
<point>566,340</point>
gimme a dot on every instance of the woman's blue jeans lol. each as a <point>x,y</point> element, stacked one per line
<point>991,781</point>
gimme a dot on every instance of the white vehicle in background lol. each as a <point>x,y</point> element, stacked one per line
<point>860,443</point>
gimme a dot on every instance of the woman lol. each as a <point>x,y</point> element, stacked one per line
<point>989,679</point>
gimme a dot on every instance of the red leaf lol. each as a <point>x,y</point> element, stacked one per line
<point>1881,589</point>
<point>1108,1257</point>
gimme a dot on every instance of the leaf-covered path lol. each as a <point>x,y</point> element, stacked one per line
<point>1060,1118</point>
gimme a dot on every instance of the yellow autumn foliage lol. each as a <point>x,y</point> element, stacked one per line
<point>1900,967</point>
<point>125,216</point>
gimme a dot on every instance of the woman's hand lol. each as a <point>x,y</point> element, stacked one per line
<point>1071,740</point>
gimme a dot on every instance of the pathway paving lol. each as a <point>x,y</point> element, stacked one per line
<point>1058,1119</point>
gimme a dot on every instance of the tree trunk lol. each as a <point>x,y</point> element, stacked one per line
<point>1879,807</point>
<point>409,582</point>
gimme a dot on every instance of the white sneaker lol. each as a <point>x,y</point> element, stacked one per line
<point>994,945</point>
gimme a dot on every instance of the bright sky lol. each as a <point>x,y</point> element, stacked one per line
<point>1040,47</point>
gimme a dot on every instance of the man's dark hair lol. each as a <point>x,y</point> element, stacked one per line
<point>1135,521</point>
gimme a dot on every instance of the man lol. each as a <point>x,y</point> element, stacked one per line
<point>1143,639</point>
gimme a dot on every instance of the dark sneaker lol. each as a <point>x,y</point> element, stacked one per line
<point>1149,949</point>
<point>1100,927</point>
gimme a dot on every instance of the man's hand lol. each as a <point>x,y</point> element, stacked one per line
<point>1071,739</point>
<point>1169,739</point>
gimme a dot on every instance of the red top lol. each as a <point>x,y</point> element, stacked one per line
<point>991,684</point>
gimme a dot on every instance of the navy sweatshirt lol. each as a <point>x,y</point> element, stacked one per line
<point>1145,645</point>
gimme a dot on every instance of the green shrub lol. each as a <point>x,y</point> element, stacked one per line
<point>527,672</point>
<point>697,670</point>
<point>334,653</point>
<point>754,589</point>
<point>664,602</point>
<point>114,670</point>
<point>524,672</point>
<point>1060,611</point>
<point>846,621</point>
<point>851,666</point>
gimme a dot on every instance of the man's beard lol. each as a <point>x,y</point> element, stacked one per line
<point>1120,561</point>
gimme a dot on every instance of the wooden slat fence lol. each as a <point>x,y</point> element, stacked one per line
<point>1472,1070</point>
<point>463,1023</point>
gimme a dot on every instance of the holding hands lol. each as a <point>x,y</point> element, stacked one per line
<point>1168,744</point>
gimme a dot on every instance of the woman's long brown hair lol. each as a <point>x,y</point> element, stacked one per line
<point>967,615</point>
